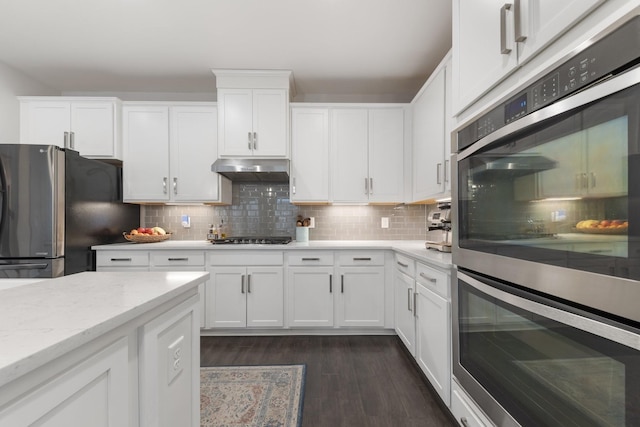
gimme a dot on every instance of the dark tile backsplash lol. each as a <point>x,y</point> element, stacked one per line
<point>264,209</point>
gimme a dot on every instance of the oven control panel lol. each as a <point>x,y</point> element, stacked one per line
<point>611,55</point>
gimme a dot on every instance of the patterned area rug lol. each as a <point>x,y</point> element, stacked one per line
<point>252,396</point>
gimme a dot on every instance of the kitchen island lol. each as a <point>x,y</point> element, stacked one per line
<point>97,348</point>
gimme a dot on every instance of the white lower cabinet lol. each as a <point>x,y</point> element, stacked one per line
<point>361,294</point>
<point>241,297</point>
<point>95,392</point>
<point>310,299</point>
<point>465,411</point>
<point>404,310</point>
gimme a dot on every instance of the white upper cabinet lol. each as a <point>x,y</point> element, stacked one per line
<point>87,125</point>
<point>367,146</point>
<point>492,38</point>
<point>309,155</point>
<point>253,112</point>
<point>168,154</point>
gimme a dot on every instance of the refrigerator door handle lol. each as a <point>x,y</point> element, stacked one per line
<point>23,266</point>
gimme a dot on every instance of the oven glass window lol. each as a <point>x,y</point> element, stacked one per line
<point>563,192</point>
<point>543,372</point>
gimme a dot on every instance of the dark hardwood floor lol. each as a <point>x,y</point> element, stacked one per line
<point>354,381</point>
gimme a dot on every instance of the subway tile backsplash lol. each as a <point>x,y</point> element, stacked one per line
<point>265,209</point>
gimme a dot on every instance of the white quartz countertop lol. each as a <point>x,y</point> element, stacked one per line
<point>44,320</point>
<point>413,248</point>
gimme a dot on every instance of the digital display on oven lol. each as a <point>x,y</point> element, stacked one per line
<point>516,108</point>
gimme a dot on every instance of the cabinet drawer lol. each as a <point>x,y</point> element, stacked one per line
<point>245,258</point>
<point>464,410</point>
<point>171,258</point>
<point>435,280</point>
<point>122,258</point>
<point>361,258</point>
<point>310,258</point>
<point>406,265</point>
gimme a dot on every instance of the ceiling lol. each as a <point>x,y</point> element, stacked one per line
<point>364,50</point>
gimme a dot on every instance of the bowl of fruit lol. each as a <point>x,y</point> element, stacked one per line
<point>605,226</point>
<point>147,235</point>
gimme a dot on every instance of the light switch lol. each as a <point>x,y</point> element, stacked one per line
<point>312,222</point>
<point>385,222</point>
<point>186,221</point>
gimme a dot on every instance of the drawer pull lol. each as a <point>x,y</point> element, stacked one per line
<point>362,259</point>
<point>402,264</point>
<point>120,259</point>
<point>177,259</point>
<point>431,279</point>
<point>464,422</point>
<point>310,259</point>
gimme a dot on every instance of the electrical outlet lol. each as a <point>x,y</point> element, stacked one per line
<point>385,222</point>
<point>312,222</point>
<point>174,359</point>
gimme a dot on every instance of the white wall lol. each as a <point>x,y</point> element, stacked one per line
<point>14,83</point>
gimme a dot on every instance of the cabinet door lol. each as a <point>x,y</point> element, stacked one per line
<point>478,60</point>
<point>265,297</point>
<point>93,393</point>
<point>194,135</point>
<point>432,340</point>
<point>310,297</point>
<point>45,122</point>
<point>146,153</point>
<point>386,155</point>
<point>544,20</point>
<point>270,123</point>
<point>403,301</point>
<point>448,127</point>
<point>310,155</point>
<point>92,126</point>
<point>349,160</point>
<point>429,140</point>
<point>226,296</point>
<point>361,298</point>
<point>235,128</point>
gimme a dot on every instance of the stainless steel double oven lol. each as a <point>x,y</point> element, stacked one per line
<point>546,207</point>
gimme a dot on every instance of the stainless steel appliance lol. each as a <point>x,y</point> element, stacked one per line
<point>546,243</point>
<point>54,205</point>
<point>439,228</point>
<point>255,240</point>
<point>253,170</point>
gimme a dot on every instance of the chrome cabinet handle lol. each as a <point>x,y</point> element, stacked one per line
<point>66,140</point>
<point>310,259</point>
<point>255,140</point>
<point>503,29</point>
<point>248,283</point>
<point>120,259</point>
<point>177,259</point>
<point>438,170</point>
<point>72,140</point>
<point>415,301</point>
<point>431,279</point>
<point>342,283</point>
<point>464,422</point>
<point>293,185</point>
<point>362,259</point>
<point>446,171</point>
<point>366,186</point>
<point>409,299</point>
<point>175,185</point>
<point>585,180</point>
<point>401,264</point>
<point>517,12</point>
<point>593,179</point>
<point>331,283</point>
<point>249,139</point>
<point>370,185</point>
<point>242,283</point>
<point>164,185</point>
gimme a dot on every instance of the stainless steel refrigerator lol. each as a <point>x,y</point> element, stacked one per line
<point>54,205</point>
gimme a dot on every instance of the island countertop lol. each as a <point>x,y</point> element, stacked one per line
<point>47,319</point>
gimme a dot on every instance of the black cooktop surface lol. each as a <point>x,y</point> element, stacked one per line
<point>253,240</point>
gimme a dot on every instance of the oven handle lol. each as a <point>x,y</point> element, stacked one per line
<point>599,91</point>
<point>610,332</point>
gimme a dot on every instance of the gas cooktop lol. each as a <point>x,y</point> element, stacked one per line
<point>254,240</point>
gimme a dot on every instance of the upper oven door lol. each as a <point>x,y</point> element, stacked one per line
<point>552,201</point>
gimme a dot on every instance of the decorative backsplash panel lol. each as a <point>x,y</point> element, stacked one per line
<point>264,209</point>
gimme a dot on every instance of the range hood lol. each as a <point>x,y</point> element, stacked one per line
<point>253,170</point>
<point>509,166</point>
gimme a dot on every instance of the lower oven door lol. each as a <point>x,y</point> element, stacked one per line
<point>530,361</point>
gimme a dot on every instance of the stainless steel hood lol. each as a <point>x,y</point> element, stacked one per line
<point>253,170</point>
